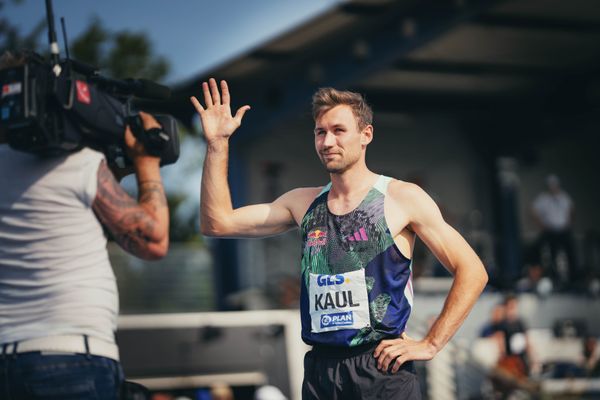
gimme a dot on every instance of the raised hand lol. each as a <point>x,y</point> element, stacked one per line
<point>217,122</point>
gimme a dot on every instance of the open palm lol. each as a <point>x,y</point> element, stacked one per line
<point>217,121</point>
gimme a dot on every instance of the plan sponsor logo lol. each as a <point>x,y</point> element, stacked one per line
<point>316,237</point>
<point>337,319</point>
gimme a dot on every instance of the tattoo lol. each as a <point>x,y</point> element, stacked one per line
<point>134,239</point>
<point>152,194</point>
<point>110,190</point>
<point>131,226</point>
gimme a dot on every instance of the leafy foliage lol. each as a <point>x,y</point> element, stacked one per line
<point>121,54</point>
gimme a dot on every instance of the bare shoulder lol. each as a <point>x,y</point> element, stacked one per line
<point>405,192</point>
<point>302,193</point>
<point>411,199</point>
<point>298,200</point>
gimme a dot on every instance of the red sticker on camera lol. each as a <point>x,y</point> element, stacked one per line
<point>11,89</point>
<point>83,92</point>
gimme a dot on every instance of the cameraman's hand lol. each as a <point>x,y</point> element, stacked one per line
<point>217,122</point>
<point>135,148</point>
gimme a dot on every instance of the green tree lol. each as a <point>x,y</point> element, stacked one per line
<point>12,39</point>
<point>88,46</point>
<point>121,54</point>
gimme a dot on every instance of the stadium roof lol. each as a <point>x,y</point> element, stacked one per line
<point>416,55</point>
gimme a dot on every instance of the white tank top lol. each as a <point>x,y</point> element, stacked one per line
<point>55,275</point>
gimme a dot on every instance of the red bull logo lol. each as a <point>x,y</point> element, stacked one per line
<point>316,237</point>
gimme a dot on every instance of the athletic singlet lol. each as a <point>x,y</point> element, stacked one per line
<point>356,284</point>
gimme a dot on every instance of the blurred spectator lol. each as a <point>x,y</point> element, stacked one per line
<point>162,396</point>
<point>516,352</point>
<point>495,323</point>
<point>535,281</point>
<point>510,377</point>
<point>268,392</point>
<point>587,367</point>
<point>591,356</point>
<point>553,212</point>
<point>221,391</point>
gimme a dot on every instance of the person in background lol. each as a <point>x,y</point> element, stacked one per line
<point>535,281</point>
<point>553,211</point>
<point>494,325</point>
<point>516,352</point>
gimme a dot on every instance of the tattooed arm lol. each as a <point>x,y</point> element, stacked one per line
<point>140,227</point>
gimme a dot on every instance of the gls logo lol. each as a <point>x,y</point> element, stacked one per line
<point>330,280</point>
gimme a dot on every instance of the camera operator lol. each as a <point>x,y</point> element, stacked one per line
<point>58,295</point>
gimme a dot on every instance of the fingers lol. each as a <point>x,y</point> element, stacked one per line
<point>197,104</point>
<point>383,345</point>
<point>129,137</point>
<point>240,113</point>
<point>391,352</point>
<point>211,94</point>
<point>148,121</point>
<point>225,92</point>
<point>393,359</point>
<point>397,364</point>
<point>214,90</point>
<point>388,356</point>
<point>206,92</point>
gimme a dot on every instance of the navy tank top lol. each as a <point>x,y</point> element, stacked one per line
<point>356,284</point>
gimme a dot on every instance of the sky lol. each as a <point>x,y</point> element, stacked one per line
<point>193,35</point>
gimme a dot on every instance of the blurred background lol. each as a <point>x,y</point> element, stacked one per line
<point>491,106</point>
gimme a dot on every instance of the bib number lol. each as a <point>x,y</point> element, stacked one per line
<point>338,301</point>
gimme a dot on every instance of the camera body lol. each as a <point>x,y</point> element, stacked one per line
<point>49,114</point>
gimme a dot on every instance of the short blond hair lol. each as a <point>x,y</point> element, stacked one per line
<point>326,98</point>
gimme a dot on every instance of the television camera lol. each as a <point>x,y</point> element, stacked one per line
<point>49,107</point>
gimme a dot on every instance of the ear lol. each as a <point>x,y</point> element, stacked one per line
<point>366,135</point>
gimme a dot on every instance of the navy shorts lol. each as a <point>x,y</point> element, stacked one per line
<point>335,373</point>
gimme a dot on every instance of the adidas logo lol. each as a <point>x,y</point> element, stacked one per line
<point>359,236</point>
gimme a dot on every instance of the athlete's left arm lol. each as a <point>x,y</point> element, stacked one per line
<point>457,256</point>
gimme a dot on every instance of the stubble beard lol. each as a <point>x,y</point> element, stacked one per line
<point>338,167</point>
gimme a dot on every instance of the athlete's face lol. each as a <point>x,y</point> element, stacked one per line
<point>339,142</point>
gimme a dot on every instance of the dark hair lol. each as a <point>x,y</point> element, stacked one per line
<point>11,59</point>
<point>327,98</point>
<point>509,297</point>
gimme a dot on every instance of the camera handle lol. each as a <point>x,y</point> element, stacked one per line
<point>155,140</point>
